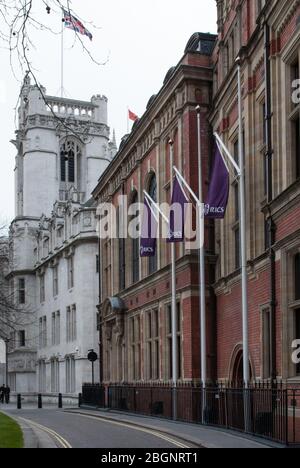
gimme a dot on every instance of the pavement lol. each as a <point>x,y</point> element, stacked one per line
<point>196,435</point>
<point>72,427</point>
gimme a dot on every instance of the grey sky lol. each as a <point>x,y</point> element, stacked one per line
<point>144,40</point>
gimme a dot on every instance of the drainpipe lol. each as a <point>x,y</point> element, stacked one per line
<point>271,223</point>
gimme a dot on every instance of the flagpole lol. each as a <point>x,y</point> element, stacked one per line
<point>243,236</point>
<point>62,60</point>
<point>174,302</point>
<point>202,289</point>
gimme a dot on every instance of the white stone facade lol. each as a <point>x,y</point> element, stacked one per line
<point>53,241</point>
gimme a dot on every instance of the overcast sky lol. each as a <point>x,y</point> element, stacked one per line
<point>143,39</point>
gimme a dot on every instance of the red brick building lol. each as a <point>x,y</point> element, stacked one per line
<point>266,35</point>
<point>135,293</point>
<point>135,304</point>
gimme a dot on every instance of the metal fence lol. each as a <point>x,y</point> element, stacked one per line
<point>263,411</point>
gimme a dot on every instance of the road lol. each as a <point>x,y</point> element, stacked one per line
<point>79,431</point>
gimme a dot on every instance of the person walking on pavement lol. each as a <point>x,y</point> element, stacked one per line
<point>2,392</point>
<point>7,395</point>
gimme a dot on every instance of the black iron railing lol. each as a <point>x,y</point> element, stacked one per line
<point>268,411</point>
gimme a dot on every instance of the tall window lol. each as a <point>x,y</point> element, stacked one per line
<point>22,338</point>
<point>107,267</point>
<point>152,345</point>
<point>55,281</point>
<point>70,153</point>
<point>55,328</point>
<point>70,375</point>
<point>153,195</point>
<point>42,376</point>
<point>135,332</point>
<point>135,251</point>
<point>70,272</point>
<point>296,145</point>
<point>121,247</point>
<point>21,292</point>
<point>71,324</point>
<point>266,343</point>
<point>297,277</point>
<point>42,288</point>
<point>43,332</point>
<point>54,375</point>
<point>297,334</point>
<point>170,341</point>
<point>295,121</point>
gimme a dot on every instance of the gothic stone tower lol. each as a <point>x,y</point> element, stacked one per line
<point>62,148</point>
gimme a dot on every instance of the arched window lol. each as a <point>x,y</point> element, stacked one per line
<point>135,250</point>
<point>153,194</point>
<point>70,153</point>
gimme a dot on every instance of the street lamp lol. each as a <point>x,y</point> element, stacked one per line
<point>6,341</point>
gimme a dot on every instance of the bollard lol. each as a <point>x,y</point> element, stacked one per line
<point>60,401</point>
<point>19,402</point>
<point>79,400</point>
<point>40,402</point>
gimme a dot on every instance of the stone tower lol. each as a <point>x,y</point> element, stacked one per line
<point>63,146</point>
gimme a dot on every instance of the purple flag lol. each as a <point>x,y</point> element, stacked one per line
<point>149,232</point>
<point>177,213</point>
<point>217,197</point>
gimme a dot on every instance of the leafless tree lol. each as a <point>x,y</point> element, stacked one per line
<point>13,316</point>
<point>18,20</point>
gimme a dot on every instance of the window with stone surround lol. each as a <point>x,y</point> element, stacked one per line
<point>55,328</point>
<point>266,343</point>
<point>169,341</point>
<point>43,332</point>
<point>71,272</point>
<point>292,293</point>
<point>107,267</point>
<point>297,334</point>
<point>135,339</point>
<point>121,250</point>
<point>135,249</point>
<point>70,154</point>
<point>71,321</point>
<point>70,374</point>
<point>42,375</point>
<point>55,384</point>
<point>42,288</point>
<point>152,345</point>
<point>294,116</point>
<point>297,277</point>
<point>152,190</point>
<point>22,291</point>
<point>55,280</point>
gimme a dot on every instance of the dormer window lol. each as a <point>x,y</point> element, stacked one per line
<point>70,152</point>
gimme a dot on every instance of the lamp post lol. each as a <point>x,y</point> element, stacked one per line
<point>6,341</point>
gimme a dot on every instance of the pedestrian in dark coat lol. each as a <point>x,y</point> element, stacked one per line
<point>2,393</point>
<point>7,395</point>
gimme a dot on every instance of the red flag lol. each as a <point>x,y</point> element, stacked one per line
<point>132,116</point>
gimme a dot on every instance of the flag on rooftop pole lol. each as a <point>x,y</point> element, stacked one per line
<point>71,22</point>
<point>132,116</point>
<point>148,231</point>
<point>177,213</point>
<point>218,193</point>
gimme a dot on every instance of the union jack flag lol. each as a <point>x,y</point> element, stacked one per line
<point>71,22</point>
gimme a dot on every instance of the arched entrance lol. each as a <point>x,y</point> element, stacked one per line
<point>237,368</point>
